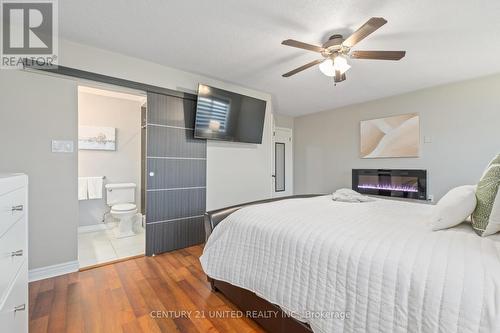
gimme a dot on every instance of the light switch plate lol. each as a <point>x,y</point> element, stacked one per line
<point>427,139</point>
<point>62,146</point>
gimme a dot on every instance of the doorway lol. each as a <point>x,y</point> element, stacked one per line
<point>282,162</point>
<point>111,226</point>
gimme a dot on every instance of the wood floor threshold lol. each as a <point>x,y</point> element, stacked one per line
<point>86,268</point>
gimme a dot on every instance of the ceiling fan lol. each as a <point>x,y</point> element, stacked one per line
<point>336,50</point>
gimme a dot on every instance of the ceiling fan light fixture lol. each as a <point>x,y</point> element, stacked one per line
<point>326,67</point>
<point>337,64</point>
<point>340,64</point>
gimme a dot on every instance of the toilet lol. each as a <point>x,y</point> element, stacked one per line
<point>121,199</point>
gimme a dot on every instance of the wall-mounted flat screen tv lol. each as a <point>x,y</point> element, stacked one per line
<point>225,115</point>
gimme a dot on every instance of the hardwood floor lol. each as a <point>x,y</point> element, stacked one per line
<point>126,297</point>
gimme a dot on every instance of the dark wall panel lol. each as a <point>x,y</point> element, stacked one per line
<point>174,142</point>
<point>174,235</point>
<point>179,112</point>
<point>174,204</point>
<point>176,175</point>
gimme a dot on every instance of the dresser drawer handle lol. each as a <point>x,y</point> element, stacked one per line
<point>18,208</point>
<point>17,253</point>
<point>20,308</point>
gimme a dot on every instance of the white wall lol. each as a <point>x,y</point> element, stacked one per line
<point>235,172</point>
<point>35,109</point>
<point>281,120</point>
<point>120,166</point>
<point>461,119</point>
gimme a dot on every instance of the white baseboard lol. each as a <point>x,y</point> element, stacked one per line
<point>54,270</point>
<point>94,227</point>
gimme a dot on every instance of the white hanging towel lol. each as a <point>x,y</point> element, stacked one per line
<point>82,188</point>
<point>95,187</point>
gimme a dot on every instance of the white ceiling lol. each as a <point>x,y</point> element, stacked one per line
<point>239,42</point>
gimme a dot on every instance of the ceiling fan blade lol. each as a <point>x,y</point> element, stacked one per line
<point>300,45</point>
<point>366,29</point>
<point>301,68</point>
<point>378,55</point>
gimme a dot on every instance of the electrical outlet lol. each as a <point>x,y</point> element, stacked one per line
<point>430,197</point>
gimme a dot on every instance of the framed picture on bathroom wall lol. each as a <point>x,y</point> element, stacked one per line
<point>96,138</point>
<point>389,137</point>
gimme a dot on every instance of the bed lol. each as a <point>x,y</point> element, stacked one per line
<point>356,267</point>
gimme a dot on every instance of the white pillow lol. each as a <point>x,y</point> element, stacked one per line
<point>454,208</point>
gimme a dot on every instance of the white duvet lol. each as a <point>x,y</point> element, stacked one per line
<point>377,262</point>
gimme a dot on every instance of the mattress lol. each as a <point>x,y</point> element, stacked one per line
<point>360,267</point>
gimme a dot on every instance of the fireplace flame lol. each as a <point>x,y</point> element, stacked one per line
<point>389,187</point>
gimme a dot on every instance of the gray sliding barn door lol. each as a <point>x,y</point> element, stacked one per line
<point>175,175</point>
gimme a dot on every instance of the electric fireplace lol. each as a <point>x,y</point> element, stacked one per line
<point>411,184</point>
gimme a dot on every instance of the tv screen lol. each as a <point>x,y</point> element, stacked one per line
<point>224,115</point>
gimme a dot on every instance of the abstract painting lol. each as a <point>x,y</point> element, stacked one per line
<point>96,138</point>
<point>397,136</point>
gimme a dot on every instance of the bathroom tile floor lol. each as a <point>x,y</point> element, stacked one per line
<point>101,246</point>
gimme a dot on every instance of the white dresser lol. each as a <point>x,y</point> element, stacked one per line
<point>13,253</point>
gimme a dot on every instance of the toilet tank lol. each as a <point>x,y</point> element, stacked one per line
<point>120,193</point>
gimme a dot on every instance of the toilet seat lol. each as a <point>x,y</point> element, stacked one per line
<point>122,208</point>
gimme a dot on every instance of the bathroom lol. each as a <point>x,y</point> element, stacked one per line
<point>111,226</point>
